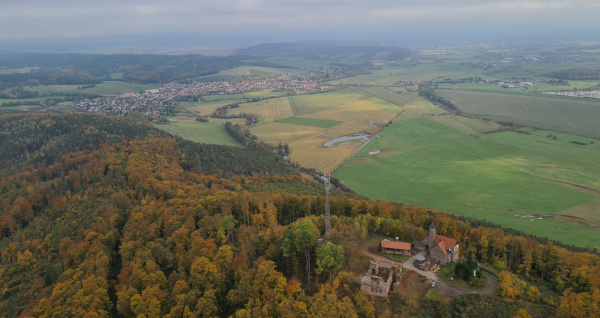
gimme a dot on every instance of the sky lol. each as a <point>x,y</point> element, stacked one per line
<point>280,20</point>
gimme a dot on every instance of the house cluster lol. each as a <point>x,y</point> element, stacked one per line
<point>151,101</point>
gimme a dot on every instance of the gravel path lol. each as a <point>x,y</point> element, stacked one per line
<point>409,264</point>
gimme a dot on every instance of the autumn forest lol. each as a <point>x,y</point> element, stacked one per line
<point>110,217</point>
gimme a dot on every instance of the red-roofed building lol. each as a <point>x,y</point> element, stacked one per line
<point>395,247</point>
<point>442,249</point>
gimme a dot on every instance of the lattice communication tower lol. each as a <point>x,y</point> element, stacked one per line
<point>327,183</point>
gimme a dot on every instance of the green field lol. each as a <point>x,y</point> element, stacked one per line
<point>267,110</point>
<point>389,74</point>
<point>238,72</point>
<point>18,70</point>
<point>384,94</point>
<point>117,76</point>
<point>569,115</point>
<point>491,177</point>
<point>107,87</point>
<point>300,63</point>
<point>235,97</point>
<point>538,87</point>
<point>207,108</point>
<point>209,133</point>
<point>312,122</point>
<point>3,100</point>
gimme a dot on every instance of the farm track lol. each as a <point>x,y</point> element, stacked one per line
<point>293,105</point>
<point>522,97</point>
<point>383,98</point>
<point>578,187</point>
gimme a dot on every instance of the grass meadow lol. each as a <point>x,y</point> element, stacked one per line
<point>498,177</point>
<point>238,72</point>
<point>267,110</point>
<point>569,115</point>
<point>538,87</point>
<point>389,74</point>
<point>210,133</point>
<point>107,87</point>
<point>312,122</point>
<point>244,96</point>
<point>207,108</point>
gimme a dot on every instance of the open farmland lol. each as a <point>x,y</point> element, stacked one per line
<point>267,110</point>
<point>500,177</point>
<point>210,133</point>
<point>104,88</point>
<point>3,100</point>
<point>322,117</point>
<point>390,74</point>
<point>537,87</point>
<point>569,115</point>
<point>311,103</point>
<point>207,108</point>
<point>238,72</point>
<point>249,95</point>
<point>384,94</point>
<point>313,122</point>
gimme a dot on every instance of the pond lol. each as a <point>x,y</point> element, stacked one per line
<point>347,139</point>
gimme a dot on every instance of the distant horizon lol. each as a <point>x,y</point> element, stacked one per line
<point>238,23</point>
<point>167,42</point>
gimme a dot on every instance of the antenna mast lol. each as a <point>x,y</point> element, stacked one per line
<point>327,178</point>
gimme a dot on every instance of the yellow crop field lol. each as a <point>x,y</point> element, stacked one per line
<point>311,153</point>
<point>311,103</point>
<point>268,110</point>
<point>275,133</point>
<point>356,111</point>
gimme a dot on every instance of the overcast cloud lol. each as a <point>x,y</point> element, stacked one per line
<point>40,18</point>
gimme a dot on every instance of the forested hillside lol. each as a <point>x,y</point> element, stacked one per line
<point>79,69</point>
<point>103,216</point>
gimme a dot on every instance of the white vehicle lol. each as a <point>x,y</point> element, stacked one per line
<point>433,284</point>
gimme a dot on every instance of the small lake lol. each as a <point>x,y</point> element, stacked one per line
<point>347,139</point>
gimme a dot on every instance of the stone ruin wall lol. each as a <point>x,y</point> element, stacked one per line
<point>375,285</point>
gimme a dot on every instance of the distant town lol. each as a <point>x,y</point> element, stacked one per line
<point>153,101</point>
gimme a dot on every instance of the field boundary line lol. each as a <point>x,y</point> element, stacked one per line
<point>521,97</point>
<point>293,105</point>
<point>356,89</point>
<point>367,142</point>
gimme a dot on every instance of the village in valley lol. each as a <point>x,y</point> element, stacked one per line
<point>152,102</point>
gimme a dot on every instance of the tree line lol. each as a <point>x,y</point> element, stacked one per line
<point>127,228</point>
